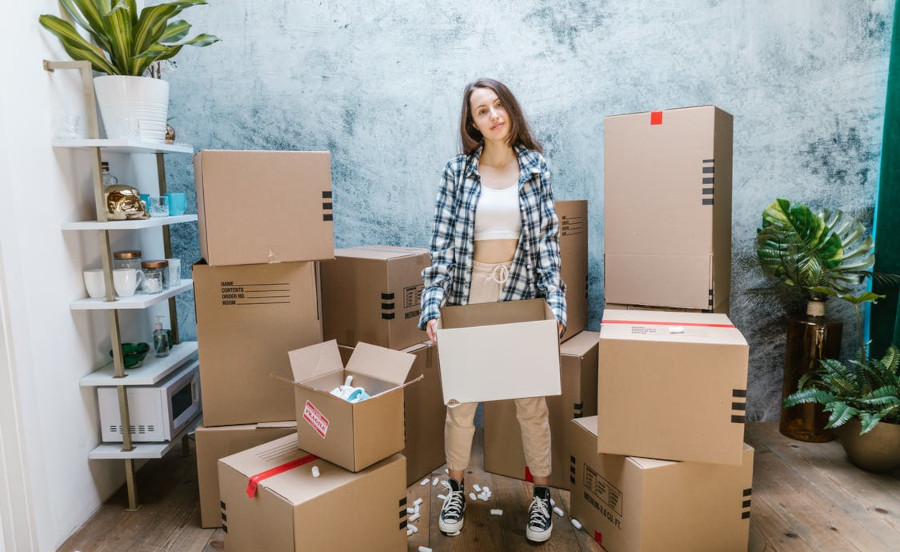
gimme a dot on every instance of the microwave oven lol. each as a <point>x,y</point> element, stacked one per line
<point>157,412</point>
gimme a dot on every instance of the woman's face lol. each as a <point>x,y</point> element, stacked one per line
<point>488,115</point>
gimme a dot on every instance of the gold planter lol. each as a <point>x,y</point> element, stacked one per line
<point>877,450</point>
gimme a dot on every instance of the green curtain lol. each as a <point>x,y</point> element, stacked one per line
<point>883,324</point>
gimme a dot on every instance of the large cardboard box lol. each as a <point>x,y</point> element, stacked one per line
<point>248,318</point>
<point>264,206</point>
<point>573,251</point>
<point>351,435</point>
<point>630,504</point>
<point>667,208</point>
<point>672,386</point>
<point>503,453</point>
<point>273,503</point>
<point>497,351</point>
<point>214,443</point>
<point>373,294</point>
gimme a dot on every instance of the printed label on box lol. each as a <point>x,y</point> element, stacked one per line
<point>250,293</point>
<point>316,419</point>
<point>603,496</point>
<point>412,296</point>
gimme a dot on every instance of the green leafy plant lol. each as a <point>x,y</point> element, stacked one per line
<point>818,254</point>
<point>125,41</point>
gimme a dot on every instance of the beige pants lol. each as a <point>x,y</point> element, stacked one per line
<point>532,413</point>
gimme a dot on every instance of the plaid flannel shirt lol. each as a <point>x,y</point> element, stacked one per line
<point>535,270</point>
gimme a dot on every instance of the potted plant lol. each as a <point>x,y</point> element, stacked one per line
<point>127,45</point>
<point>863,398</point>
<point>816,255</point>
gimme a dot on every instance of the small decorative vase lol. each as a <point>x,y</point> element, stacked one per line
<point>810,339</point>
<point>877,450</point>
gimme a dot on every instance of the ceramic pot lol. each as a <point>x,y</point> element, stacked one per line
<point>133,107</point>
<point>810,339</point>
<point>877,450</point>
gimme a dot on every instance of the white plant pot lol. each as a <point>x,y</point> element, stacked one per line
<point>133,107</point>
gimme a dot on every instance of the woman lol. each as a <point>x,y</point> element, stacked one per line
<point>496,238</point>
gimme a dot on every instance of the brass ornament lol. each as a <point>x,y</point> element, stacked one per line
<point>124,203</point>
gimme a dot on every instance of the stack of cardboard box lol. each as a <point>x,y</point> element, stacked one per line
<point>663,465</point>
<point>281,459</point>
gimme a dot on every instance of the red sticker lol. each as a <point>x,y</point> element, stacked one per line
<point>316,419</point>
<point>656,117</point>
<point>598,536</point>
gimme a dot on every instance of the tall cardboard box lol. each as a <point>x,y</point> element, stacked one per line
<point>672,386</point>
<point>248,318</point>
<point>264,206</point>
<point>373,294</point>
<point>289,510</point>
<point>214,443</point>
<point>503,453</point>
<point>630,504</point>
<point>667,208</point>
<point>471,339</point>
<point>573,252</point>
<point>358,434</point>
<point>424,412</point>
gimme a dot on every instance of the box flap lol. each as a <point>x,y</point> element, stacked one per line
<point>489,314</point>
<point>380,252</point>
<point>580,344</point>
<point>380,363</point>
<point>685,327</point>
<point>316,360</point>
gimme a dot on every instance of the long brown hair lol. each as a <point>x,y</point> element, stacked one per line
<point>519,131</point>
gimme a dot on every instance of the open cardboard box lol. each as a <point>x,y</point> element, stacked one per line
<point>497,351</point>
<point>351,435</point>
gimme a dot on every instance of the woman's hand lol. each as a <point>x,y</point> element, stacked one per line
<point>560,329</point>
<point>431,328</point>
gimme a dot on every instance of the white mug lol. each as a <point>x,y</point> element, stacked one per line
<point>126,281</point>
<point>94,283</point>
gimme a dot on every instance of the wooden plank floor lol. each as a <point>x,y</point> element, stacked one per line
<point>806,497</point>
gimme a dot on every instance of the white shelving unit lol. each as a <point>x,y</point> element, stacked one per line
<point>154,369</point>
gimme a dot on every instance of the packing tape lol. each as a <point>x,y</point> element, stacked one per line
<point>657,323</point>
<point>253,483</point>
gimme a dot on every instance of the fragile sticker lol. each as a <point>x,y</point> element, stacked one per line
<point>316,419</point>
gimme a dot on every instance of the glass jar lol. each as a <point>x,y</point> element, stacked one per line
<point>108,179</point>
<point>127,259</point>
<point>156,276</point>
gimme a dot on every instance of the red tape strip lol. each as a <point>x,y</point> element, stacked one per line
<point>528,476</point>
<point>656,117</point>
<point>657,323</point>
<point>598,536</point>
<point>254,480</point>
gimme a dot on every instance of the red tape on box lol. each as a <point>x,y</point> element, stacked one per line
<point>528,476</point>
<point>254,480</point>
<point>656,117</point>
<point>598,536</point>
<point>656,323</point>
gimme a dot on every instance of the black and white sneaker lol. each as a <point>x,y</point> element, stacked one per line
<point>540,516</point>
<point>451,520</point>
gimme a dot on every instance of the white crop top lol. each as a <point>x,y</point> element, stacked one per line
<point>497,214</point>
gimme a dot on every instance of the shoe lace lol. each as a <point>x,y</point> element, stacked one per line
<point>453,505</point>
<point>538,512</point>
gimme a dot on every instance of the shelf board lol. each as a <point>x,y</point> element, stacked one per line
<point>150,451</point>
<point>151,222</point>
<point>136,301</point>
<point>151,372</point>
<point>124,145</point>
